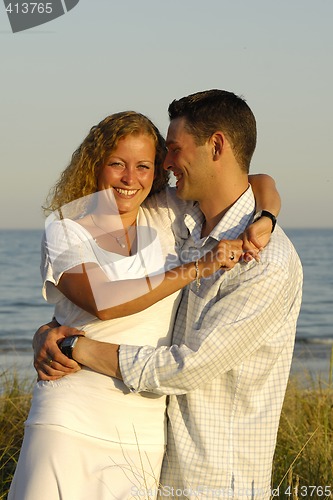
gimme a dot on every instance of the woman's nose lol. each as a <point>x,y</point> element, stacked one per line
<point>128,177</point>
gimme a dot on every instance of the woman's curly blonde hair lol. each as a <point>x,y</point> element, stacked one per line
<point>79,179</point>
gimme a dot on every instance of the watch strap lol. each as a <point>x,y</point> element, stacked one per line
<point>266,213</point>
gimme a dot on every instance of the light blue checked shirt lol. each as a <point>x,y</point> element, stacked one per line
<point>227,370</point>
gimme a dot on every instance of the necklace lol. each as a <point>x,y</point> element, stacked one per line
<point>118,238</point>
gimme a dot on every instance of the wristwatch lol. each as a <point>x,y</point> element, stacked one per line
<point>265,213</point>
<point>67,345</point>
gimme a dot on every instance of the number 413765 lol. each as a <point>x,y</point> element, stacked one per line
<point>309,491</point>
<point>30,8</point>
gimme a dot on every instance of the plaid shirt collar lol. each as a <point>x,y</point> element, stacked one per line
<point>231,224</point>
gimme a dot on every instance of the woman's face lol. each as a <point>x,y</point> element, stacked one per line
<point>129,172</point>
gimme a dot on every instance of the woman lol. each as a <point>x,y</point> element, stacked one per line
<point>87,436</point>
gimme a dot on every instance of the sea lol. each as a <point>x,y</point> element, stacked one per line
<point>23,309</point>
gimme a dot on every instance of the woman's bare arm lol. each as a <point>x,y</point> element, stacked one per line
<point>88,287</point>
<point>267,197</point>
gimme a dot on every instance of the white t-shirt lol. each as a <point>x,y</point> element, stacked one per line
<point>78,400</point>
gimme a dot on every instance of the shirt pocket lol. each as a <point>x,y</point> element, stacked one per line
<point>198,307</point>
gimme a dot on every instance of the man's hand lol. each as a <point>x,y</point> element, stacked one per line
<point>49,361</point>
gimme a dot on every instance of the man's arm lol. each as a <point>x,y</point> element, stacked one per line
<point>101,357</point>
<point>233,328</point>
<point>169,370</point>
<point>46,339</point>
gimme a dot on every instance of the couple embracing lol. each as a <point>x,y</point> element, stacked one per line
<point>164,369</point>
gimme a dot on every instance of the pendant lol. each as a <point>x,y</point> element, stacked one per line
<point>122,245</point>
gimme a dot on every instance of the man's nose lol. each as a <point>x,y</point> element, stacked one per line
<point>167,162</point>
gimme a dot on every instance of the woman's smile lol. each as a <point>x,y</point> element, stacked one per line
<point>129,172</point>
<point>127,193</point>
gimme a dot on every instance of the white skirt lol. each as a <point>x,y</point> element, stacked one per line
<point>59,464</point>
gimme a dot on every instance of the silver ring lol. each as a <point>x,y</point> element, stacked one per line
<point>232,256</point>
<point>49,361</point>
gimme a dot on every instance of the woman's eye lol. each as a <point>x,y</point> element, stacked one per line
<point>117,165</point>
<point>143,167</point>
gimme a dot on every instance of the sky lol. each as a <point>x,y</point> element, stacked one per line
<point>103,56</point>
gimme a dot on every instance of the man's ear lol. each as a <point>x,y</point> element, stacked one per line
<point>217,142</point>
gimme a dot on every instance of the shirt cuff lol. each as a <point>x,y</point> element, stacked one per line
<point>132,360</point>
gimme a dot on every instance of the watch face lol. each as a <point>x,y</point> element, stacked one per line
<point>67,342</point>
<point>67,345</point>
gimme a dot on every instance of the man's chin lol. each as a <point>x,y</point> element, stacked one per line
<point>182,194</point>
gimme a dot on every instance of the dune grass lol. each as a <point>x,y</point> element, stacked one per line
<point>303,461</point>
<point>15,397</point>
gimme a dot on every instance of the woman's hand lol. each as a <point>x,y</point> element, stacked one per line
<point>224,255</point>
<point>255,238</point>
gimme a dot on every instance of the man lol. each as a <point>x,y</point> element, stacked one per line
<point>227,370</point>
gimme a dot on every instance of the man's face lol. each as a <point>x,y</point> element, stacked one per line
<point>188,162</point>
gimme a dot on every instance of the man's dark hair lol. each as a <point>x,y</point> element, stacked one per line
<point>218,110</point>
